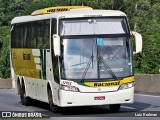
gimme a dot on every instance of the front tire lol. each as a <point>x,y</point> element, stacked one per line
<point>114,107</point>
<point>54,108</point>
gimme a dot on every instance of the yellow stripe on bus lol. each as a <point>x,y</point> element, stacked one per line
<point>109,83</point>
<point>57,9</point>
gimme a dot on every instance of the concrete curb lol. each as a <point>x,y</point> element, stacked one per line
<point>5,83</point>
<point>145,83</point>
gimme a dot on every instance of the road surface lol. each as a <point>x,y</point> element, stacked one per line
<point>144,104</point>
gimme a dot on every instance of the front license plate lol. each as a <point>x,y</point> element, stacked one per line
<point>99,98</point>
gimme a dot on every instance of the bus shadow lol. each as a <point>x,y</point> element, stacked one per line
<point>90,111</point>
<point>39,104</point>
<point>105,111</point>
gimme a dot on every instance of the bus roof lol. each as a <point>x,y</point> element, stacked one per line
<point>73,13</point>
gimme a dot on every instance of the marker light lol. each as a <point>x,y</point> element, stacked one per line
<point>126,86</point>
<point>69,88</point>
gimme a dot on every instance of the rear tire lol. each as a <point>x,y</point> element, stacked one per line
<point>114,107</point>
<point>54,108</point>
<point>18,87</point>
<point>24,99</point>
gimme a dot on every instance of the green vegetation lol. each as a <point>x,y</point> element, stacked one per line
<point>143,17</point>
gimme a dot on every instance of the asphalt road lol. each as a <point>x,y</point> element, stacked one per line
<point>144,105</point>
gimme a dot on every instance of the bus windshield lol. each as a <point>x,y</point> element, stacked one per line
<point>78,53</point>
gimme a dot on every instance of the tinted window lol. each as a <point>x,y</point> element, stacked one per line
<point>31,35</point>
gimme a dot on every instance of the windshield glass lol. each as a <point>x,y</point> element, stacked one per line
<point>115,53</point>
<point>76,55</point>
<point>99,52</point>
<point>93,26</point>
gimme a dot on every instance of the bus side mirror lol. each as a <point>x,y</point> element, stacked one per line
<point>56,45</point>
<point>138,42</point>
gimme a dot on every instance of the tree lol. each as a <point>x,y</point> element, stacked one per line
<point>143,16</point>
<point>4,52</point>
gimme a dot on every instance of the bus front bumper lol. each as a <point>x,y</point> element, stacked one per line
<point>68,98</point>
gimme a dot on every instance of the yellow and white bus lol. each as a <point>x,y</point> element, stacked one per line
<point>73,56</point>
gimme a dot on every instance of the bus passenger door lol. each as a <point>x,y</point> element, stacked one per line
<point>50,74</point>
<point>55,78</point>
<point>48,66</point>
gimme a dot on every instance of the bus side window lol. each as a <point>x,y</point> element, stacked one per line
<point>45,38</point>
<point>32,37</point>
<point>13,36</point>
<point>55,69</point>
<point>25,36</point>
<point>42,34</point>
<point>16,36</point>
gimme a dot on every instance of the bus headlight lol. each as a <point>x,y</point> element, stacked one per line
<point>126,85</point>
<point>69,88</point>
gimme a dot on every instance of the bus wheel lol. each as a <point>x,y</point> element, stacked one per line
<point>53,107</point>
<point>23,97</point>
<point>114,107</point>
<point>18,87</point>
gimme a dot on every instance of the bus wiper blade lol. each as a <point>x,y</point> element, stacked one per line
<point>87,67</point>
<point>78,64</point>
<point>107,68</point>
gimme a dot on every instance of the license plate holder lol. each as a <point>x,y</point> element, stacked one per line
<point>99,98</point>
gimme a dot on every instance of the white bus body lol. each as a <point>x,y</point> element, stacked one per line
<point>63,80</point>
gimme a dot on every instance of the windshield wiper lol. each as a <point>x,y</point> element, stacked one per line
<point>78,64</point>
<point>107,67</point>
<point>87,67</point>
